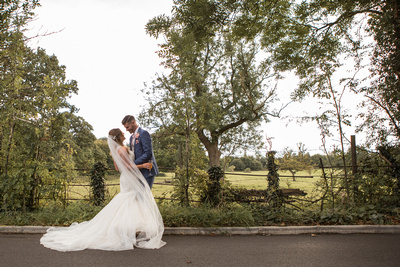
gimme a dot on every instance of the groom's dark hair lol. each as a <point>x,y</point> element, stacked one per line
<point>128,118</point>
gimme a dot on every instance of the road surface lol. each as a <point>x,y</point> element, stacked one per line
<point>246,250</point>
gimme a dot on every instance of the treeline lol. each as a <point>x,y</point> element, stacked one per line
<point>42,140</point>
<point>169,154</point>
<point>294,162</point>
<point>223,60</point>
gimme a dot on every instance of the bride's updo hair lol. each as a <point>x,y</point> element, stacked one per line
<point>117,135</point>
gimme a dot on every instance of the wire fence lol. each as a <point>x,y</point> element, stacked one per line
<point>163,185</point>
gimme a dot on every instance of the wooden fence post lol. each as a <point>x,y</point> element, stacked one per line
<point>354,164</point>
<point>321,165</point>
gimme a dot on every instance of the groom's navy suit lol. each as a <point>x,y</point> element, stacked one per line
<point>143,150</point>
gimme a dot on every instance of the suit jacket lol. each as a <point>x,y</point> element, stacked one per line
<point>143,149</point>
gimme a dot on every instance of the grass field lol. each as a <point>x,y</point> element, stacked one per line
<point>163,187</point>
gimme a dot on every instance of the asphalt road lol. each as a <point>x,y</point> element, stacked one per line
<point>249,250</point>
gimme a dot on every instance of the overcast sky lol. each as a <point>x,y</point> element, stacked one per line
<point>104,46</point>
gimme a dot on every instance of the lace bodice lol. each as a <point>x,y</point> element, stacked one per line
<point>131,155</point>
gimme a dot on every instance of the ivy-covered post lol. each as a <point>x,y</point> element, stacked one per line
<point>392,155</point>
<point>97,183</point>
<point>213,197</point>
<point>273,176</point>
<point>273,179</point>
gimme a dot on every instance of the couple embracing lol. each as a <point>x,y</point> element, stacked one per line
<point>142,148</point>
<point>132,218</point>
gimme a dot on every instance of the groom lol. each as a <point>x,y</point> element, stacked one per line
<point>140,143</point>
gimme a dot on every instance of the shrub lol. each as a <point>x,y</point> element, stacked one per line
<point>204,216</point>
<point>239,165</point>
<point>97,183</point>
<point>212,194</point>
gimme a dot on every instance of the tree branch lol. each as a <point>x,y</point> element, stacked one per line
<point>348,15</point>
<point>388,112</point>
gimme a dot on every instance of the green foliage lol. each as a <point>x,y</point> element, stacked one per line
<point>102,153</point>
<point>53,213</point>
<point>203,216</point>
<point>216,88</point>
<point>97,183</point>
<point>273,176</point>
<point>55,179</point>
<point>228,215</point>
<point>41,140</point>
<point>195,177</point>
<point>189,172</point>
<point>355,215</point>
<point>243,163</point>
<point>212,195</point>
<point>392,155</point>
<point>295,162</point>
<point>82,140</point>
<point>27,183</point>
<point>274,197</point>
<point>239,164</point>
<point>170,150</point>
<point>167,149</point>
<point>378,177</point>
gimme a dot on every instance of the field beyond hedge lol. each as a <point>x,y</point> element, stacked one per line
<point>162,188</point>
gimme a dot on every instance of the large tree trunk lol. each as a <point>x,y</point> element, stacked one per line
<point>214,155</point>
<point>212,148</point>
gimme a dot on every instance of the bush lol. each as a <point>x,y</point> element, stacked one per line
<point>227,215</point>
<point>238,164</point>
<point>212,194</point>
<point>97,183</point>
<point>189,184</point>
<point>243,163</point>
<point>231,168</point>
<point>53,213</point>
<point>203,216</point>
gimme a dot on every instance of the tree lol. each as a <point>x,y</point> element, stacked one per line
<point>102,152</point>
<point>294,162</point>
<point>82,140</point>
<point>239,165</point>
<point>323,34</point>
<point>39,132</point>
<point>216,81</point>
<point>345,29</point>
<point>288,162</point>
<point>243,163</point>
<point>34,90</point>
<point>169,152</point>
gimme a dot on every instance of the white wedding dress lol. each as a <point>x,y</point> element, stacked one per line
<point>131,219</point>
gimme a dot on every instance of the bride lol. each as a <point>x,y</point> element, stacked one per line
<point>131,219</point>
